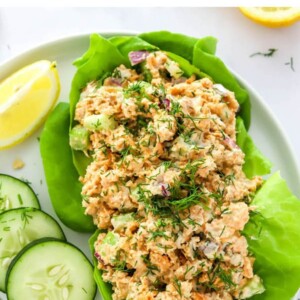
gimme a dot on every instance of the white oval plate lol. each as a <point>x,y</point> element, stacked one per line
<point>265,129</point>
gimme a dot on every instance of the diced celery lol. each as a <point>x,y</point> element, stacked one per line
<point>253,287</point>
<point>107,247</point>
<point>99,122</point>
<point>111,238</point>
<point>79,138</point>
<point>120,222</point>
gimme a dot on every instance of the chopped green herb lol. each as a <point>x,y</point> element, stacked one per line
<point>291,64</point>
<point>177,285</point>
<point>25,180</point>
<point>20,199</point>
<point>156,234</point>
<point>25,217</point>
<point>270,53</point>
<point>150,267</point>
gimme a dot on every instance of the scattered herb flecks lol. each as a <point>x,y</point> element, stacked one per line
<point>270,53</point>
<point>291,64</point>
<point>25,180</point>
<point>25,217</point>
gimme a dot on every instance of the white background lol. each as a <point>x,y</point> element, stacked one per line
<point>21,29</point>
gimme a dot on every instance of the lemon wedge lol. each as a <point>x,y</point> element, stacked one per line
<point>26,98</point>
<point>272,16</point>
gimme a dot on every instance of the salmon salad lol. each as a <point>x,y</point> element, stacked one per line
<point>166,185</point>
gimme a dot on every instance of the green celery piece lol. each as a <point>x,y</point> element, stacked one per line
<point>104,287</point>
<point>274,238</point>
<point>255,162</point>
<point>206,61</point>
<point>61,176</point>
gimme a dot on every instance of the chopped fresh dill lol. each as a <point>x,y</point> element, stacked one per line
<point>150,266</point>
<point>188,269</point>
<point>177,285</point>
<point>270,53</point>
<point>291,64</point>
<point>216,273</point>
<point>222,231</point>
<point>116,73</point>
<point>194,198</point>
<point>157,234</point>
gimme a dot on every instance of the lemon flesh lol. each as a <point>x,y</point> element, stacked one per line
<point>272,16</point>
<point>26,98</point>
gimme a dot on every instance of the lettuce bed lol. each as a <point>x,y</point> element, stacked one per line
<point>273,234</point>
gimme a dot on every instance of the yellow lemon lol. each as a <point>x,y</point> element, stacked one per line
<point>26,98</point>
<point>272,16</point>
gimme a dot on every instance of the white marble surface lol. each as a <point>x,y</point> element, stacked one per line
<point>21,29</point>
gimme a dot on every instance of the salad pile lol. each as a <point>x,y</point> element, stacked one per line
<point>272,229</point>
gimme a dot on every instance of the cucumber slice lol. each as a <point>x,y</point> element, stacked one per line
<point>50,269</point>
<point>16,193</point>
<point>19,227</point>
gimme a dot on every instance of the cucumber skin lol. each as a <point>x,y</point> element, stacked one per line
<point>13,262</point>
<point>34,243</point>
<point>23,182</point>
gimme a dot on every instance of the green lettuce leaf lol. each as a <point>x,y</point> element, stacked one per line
<point>62,178</point>
<point>101,57</point>
<point>180,44</point>
<point>273,235</point>
<point>126,44</point>
<point>104,287</point>
<point>255,162</point>
<point>206,61</point>
<point>201,53</point>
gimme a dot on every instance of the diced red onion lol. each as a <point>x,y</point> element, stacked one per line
<point>137,57</point>
<point>230,143</point>
<point>98,256</point>
<point>166,103</point>
<point>164,190</point>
